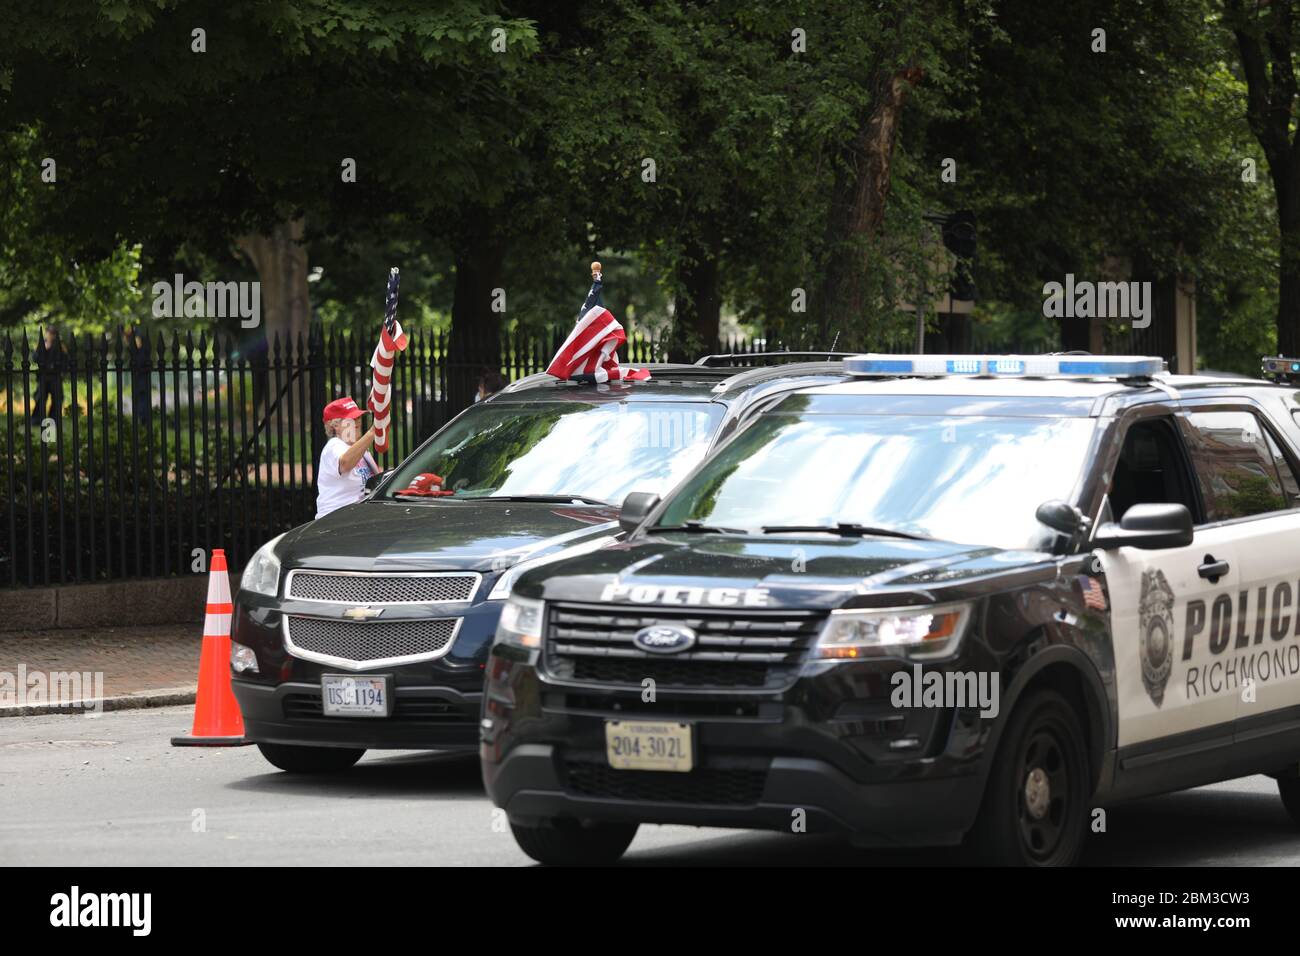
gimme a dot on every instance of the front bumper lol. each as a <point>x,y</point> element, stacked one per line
<point>424,718</point>
<point>827,754</point>
<point>798,794</point>
<point>436,703</point>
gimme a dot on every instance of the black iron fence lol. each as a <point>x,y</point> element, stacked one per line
<point>130,456</point>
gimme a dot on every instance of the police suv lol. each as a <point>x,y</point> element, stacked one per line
<point>370,627</point>
<point>956,597</point>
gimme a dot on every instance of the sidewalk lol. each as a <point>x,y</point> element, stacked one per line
<point>150,666</point>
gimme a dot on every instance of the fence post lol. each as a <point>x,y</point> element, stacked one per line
<point>9,432</point>
<point>160,369</point>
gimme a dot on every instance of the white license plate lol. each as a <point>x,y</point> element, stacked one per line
<point>342,695</point>
<point>648,745</point>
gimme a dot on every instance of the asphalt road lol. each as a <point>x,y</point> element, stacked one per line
<point>78,790</point>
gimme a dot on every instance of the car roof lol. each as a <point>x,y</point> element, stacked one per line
<point>1067,396</point>
<point>668,383</point>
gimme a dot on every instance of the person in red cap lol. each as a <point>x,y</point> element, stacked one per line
<point>345,462</point>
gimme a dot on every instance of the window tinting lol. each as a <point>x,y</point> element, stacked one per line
<point>1235,465</point>
<point>599,451</point>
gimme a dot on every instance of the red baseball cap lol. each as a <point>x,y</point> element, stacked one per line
<point>342,408</point>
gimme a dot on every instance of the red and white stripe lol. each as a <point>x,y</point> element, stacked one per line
<point>216,620</point>
<point>381,365</point>
<point>592,349</point>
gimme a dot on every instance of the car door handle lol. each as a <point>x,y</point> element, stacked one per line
<point>1212,570</point>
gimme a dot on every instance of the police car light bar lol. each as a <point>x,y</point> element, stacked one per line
<point>1008,366</point>
<point>1281,369</point>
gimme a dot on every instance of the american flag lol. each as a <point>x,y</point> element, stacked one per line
<point>1093,595</point>
<point>391,341</point>
<point>590,353</point>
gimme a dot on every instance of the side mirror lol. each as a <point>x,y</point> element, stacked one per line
<point>1149,526</point>
<point>636,507</point>
<point>1061,516</point>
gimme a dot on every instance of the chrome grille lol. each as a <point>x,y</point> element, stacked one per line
<point>400,588</point>
<point>371,644</point>
<point>734,649</point>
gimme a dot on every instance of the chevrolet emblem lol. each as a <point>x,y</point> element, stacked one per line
<point>365,613</point>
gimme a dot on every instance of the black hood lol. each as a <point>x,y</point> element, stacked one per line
<point>436,535</point>
<point>796,571</point>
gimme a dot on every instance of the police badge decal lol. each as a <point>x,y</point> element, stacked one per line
<point>1156,637</point>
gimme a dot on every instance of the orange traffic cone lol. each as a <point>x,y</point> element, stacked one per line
<point>217,722</point>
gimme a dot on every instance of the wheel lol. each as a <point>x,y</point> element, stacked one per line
<point>1289,788</point>
<point>1035,809</point>
<point>295,759</point>
<point>573,843</point>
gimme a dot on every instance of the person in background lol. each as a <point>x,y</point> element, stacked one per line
<point>50,362</point>
<point>489,383</point>
<point>345,461</point>
<point>138,348</point>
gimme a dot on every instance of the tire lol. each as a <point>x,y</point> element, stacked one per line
<point>295,759</point>
<point>571,843</point>
<point>1035,810</point>
<point>1289,788</point>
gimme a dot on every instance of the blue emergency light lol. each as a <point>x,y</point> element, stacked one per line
<point>1007,366</point>
<point>1281,369</point>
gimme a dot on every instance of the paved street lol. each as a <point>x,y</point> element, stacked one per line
<point>110,790</point>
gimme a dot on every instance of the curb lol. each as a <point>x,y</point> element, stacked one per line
<point>164,697</point>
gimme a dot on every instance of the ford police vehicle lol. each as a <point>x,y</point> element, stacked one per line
<point>953,598</point>
<point>369,628</point>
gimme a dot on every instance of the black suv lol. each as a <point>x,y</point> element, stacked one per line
<point>370,627</point>
<point>959,597</point>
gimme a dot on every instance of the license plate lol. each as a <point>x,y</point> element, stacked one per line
<point>342,695</point>
<point>648,745</point>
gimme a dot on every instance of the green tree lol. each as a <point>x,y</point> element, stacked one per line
<point>1266,40</point>
<point>1073,145</point>
<point>227,127</point>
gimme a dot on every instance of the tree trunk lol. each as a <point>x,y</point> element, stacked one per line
<point>281,262</point>
<point>858,206</point>
<point>1266,41</point>
<point>1286,183</point>
<point>475,341</point>
<point>280,259</point>
<point>697,305</point>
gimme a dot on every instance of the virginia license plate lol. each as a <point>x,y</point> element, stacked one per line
<point>648,745</point>
<point>342,695</point>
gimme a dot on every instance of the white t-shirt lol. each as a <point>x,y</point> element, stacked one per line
<point>335,490</point>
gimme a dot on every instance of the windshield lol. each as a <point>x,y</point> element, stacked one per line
<point>597,451</point>
<point>973,480</point>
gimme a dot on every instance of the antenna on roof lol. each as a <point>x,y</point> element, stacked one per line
<point>834,342</point>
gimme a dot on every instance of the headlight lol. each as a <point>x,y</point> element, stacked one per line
<point>501,590</point>
<point>262,573</point>
<point>521,623</point>
<point>915,633</point>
